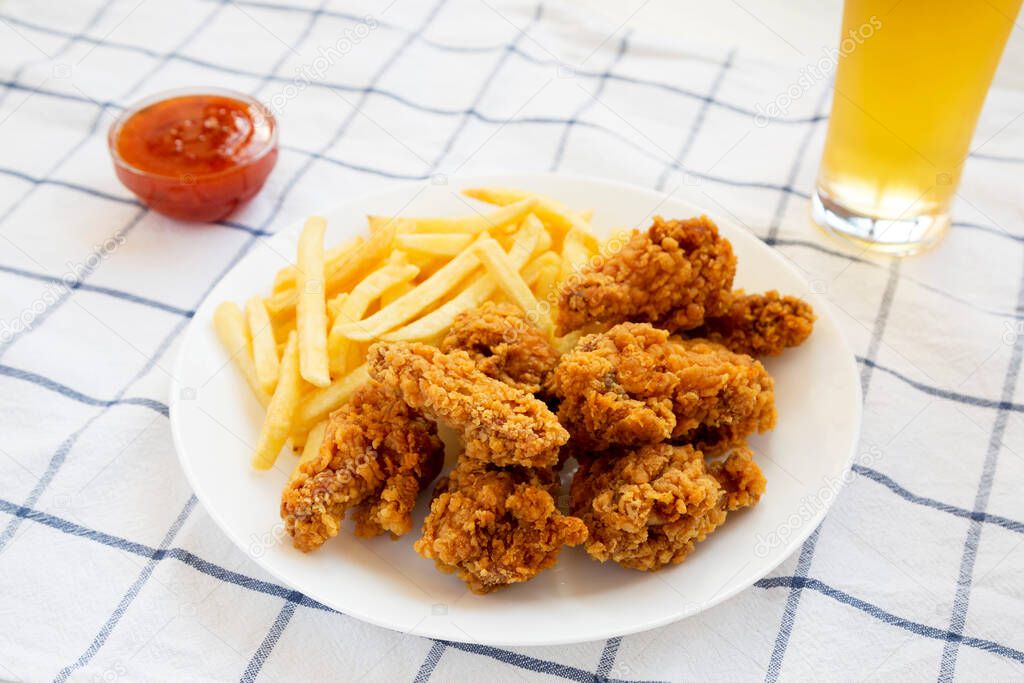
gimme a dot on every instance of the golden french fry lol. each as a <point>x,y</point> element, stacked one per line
<point>392,293</point>
<point>555,215</point>
<point>281,412</point>
<point>231,329</point>
<point>322,402</point>
<point>334,305</point>
<point>405,308</point>
<point>534,270</point>
<point>311,449</point>
<point>575,254</point>
<point>287,276</point>
<point>502,218</point>
<point>566,343</point>
<point>311,308</point>
<point>438,243</point>
<point>441,318</point>
<point>264,346</point>
<point>355,306</point>
<point>341,274</point>
<point>511,282</point>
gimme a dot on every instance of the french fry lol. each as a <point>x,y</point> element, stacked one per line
<point>475,224</point>
<point>355,305</point>
<point>566,343</point>
<point>405,308</point>
<point>322,402</point>
<point>392,293</point>
<point>281,411</point>
<point>334,305</point>
<point>511,282</point>
<point>438,243</point>
<point>535,269</point>
<point>556,216</point>
<point>311,307</point>
<point>575,254</point>
<point>441,318</point>
<point>264,347</point>
<point>286,277</point>
<point>229,323</point>
<point>310,450</point>
<point>343,273</point>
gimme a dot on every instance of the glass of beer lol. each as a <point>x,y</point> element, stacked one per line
<point>911,79</point>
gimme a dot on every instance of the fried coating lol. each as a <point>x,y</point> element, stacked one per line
<point>647,508</point>
<point>499,423</point>
<point>634,385</point>
<point>496,526</point>
<point>504,345</point>
<point>377,455</point>
<point>674,276</point>
<point>760,324</point>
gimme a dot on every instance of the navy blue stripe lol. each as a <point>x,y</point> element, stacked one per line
<point>482,90</point>
<point>803,566</point>
<point>881,320</point>
<point>57,461</point>
<point>430,662</point>
<point>528,663</point>
<point>611,649</point>
<point>129,597</point>
<point>529,120</point>
<point>75,395</point>
<point>698,122</point>
<point>965,580</point>
<point>794,169</point>
<point>632,80</point>
<point>998,232</point>
<point>787,242</point>
<point>186,557</point>
<point>888,617</point>
<point>966,399</point>
<point>109,291</point>
<point>875,475</point>
<point>594,97</point>
<point>259,658</point>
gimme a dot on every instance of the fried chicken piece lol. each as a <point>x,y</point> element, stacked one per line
<point>377,455</point>
<point>504,345</point>
<point>634,385</point>
<point>496,526</point>
<point>647,508</point>
<point>760,324</point>
<point>675,275</point>
<point>499,423</point>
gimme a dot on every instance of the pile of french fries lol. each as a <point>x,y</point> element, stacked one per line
<point>302,349</point>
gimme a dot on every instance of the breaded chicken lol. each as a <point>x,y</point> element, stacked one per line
<point>496,526</point>
<point>648,507</point>
<point>376,456</point>
<point>760,324</point>
<point>674,276</point>
<point>504,345</point>
<point>499,423</point>
<point>633,385</point>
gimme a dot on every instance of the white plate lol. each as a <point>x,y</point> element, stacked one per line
<point>215,421</point>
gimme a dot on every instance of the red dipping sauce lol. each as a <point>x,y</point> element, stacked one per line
<point>196,156</point>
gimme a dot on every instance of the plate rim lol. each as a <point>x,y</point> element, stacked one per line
<point>820,303</point>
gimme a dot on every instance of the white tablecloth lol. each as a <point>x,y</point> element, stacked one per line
<point>110,570</point>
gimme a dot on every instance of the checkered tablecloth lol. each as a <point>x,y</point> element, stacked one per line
<point>110,570</point>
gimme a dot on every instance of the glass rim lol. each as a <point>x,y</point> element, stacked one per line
<point>114,132</point>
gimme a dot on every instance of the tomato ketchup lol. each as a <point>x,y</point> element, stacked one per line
<point>195,155</point>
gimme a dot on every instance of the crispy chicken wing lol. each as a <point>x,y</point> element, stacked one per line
<point>496,526</point>
<point>674,275</point>
<point>760,324</point>
<point>499,423</point>
<point>376,457</point>
<point>634,385</point>
<point>504,345</point>
<point>648,507</point>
